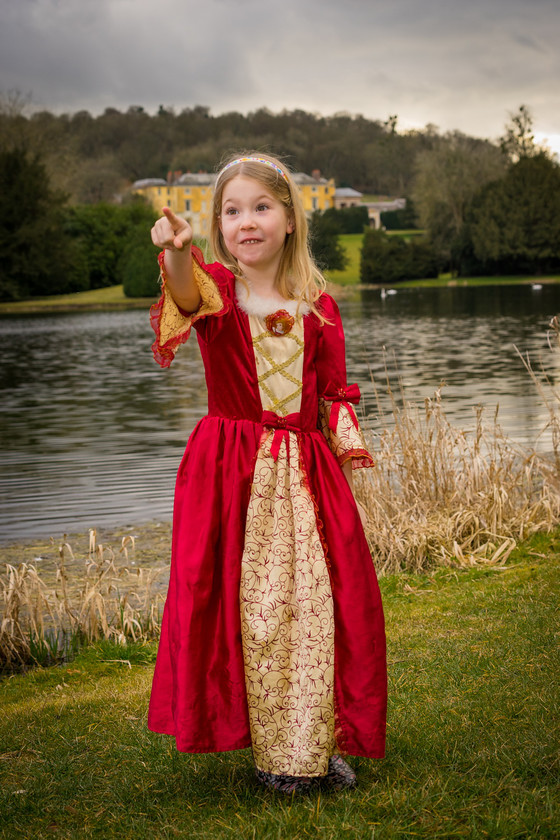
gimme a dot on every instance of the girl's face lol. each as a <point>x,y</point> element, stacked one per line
<point>254,225</point>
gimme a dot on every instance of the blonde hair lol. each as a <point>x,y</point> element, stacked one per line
<point>298,277</point>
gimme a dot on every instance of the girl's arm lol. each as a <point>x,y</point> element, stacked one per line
<point>347,470</point>
<point>174,234</point>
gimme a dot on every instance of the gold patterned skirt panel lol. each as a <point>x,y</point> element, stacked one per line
<point>287,621</point>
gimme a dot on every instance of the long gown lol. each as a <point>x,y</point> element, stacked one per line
<point>272,633</point>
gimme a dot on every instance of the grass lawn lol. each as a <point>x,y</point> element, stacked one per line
<point>447,281</point>
<point>352,244</point>
<point>111,297</point>
<point>473,735</point>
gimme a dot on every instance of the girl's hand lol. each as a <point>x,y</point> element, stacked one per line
<point>363,515</point>
<point>172,232</point>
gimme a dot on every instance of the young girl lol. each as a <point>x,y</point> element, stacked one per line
<point>272,633</point>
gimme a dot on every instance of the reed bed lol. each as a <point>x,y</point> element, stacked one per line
<point>441,495</point>
<point>98,596</point>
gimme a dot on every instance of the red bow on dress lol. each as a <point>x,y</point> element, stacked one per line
<point>342,396</point>
<point>282,427</point>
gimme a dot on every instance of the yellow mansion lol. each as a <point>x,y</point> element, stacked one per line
<point>190,195</point>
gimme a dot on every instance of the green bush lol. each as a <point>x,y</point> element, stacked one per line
<point>388,259</point>
<point>348,219</point>
<point>400,219</point>
<point>139,268</point>
<point>326,248</point>
<point>103,232</point>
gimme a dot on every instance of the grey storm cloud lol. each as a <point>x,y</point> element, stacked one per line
<point>456,64</point>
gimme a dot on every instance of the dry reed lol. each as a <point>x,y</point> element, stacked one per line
<point>42,624</point>
<point>442,495</point>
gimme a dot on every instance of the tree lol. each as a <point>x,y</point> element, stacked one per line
<point>447,178</point>
<point>325,244</point>
<point>518,140</point>
<point>36,257</point>
<point>514,223</point>
<point>103,232</point>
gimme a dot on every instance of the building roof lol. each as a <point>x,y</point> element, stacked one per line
<point>347,192</point>
<point>387,206</point>
<point>196,179</point>
<point>149,182</point>
<point>303,178</point>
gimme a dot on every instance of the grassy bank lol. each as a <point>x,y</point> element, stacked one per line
<point>473,732</point>
<point>111,297</point>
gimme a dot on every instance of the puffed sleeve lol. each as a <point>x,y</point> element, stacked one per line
<point>171,324</point>
<point>337,417</point>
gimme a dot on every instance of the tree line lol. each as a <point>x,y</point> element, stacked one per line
<point>68,221</point>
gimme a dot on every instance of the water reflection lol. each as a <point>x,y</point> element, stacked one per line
<point>92,430</point>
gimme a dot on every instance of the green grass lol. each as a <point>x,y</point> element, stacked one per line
<point>473,736</point>
<point>447,281</point>
<point>406,234</point>
<point>111,297</point>
<point>352,244</point>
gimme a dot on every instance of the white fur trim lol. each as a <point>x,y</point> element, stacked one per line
<point>261,306</point>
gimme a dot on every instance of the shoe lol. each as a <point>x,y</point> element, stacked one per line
<point>340,775</point>
<point>287,784</point>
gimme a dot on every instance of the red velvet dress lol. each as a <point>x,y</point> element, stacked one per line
<point>204,691</point>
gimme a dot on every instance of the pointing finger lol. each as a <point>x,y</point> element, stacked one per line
<point>174,220</point>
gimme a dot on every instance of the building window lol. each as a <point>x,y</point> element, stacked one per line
<point>159,190</point>
<point>188,205</point>
<point>314,203</point>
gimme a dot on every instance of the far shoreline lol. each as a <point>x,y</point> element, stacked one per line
<point>112,298</point>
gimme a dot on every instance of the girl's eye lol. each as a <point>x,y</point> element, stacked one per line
<point>231,211</point>
<point>262,207</point>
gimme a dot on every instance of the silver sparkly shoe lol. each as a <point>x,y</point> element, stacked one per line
<point>287,784</point>
<point>340,774</point>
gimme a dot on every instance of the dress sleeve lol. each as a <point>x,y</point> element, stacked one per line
<point>171,324</point>
<point>337,417</point>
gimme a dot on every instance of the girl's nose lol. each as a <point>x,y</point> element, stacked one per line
<point>247,221</point>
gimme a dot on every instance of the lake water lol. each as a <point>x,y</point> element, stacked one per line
<point>92,430</point>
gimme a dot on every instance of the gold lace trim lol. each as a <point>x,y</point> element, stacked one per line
<point>348,441</point>
<point>279,397</point>
<point>173,322</point>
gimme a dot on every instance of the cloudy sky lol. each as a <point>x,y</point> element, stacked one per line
<point>464,64</point>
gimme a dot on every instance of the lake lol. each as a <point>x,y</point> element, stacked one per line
<point>93,430</point>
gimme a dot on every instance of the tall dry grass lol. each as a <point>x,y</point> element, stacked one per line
<point>443,495</point>
<point>98,596</point>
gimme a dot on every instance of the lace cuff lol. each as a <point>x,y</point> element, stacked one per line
<point>339,424</point>
<point>171,324</point>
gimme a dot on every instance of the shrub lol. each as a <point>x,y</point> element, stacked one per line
<point>139,268</point>
<point>388,259</point>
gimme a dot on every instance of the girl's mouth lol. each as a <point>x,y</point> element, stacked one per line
<point>250,241</point>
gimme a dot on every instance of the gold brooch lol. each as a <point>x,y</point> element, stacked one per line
<point>279,323</point>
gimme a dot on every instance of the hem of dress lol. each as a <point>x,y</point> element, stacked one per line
<point>244,744</point>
